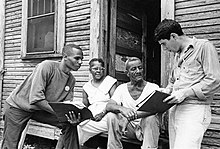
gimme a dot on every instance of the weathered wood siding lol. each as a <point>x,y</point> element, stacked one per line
<point>77,30</point>
<point>201,18</point>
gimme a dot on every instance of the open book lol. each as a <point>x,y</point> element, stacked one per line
<point>154,103</point>
<point>62,108</point>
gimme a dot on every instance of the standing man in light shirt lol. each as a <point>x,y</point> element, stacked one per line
<point>194,80</point>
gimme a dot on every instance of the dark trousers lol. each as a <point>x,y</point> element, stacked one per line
<point>17,119</point>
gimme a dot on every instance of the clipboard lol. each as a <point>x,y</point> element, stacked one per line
<point>154,103</point>
<point>62,108</point>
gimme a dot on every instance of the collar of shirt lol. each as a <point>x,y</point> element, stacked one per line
<point>185,54</point>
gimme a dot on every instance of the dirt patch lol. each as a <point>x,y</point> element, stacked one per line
<point>34,142</point>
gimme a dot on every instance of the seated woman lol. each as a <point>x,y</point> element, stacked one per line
<point>96,94</point>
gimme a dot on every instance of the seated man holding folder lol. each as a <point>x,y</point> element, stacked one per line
<point>123,117</point>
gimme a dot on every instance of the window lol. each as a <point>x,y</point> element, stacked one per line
<point>43,27</point>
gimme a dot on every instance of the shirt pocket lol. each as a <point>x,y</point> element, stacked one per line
<point>192,69</point>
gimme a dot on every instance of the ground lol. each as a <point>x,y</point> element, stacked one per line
<point>33,142</point>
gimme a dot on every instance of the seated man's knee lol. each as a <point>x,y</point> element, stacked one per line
<point>114,119</point>
<point>151,120</point>
<point>111,116</point>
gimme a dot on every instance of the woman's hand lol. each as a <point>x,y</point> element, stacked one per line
<point>71,118</point>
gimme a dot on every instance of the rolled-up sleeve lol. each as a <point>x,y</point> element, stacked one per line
<point>210,83</point>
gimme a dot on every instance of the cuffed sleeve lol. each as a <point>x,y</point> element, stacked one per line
<point>210,84</point>
<point>197,90</point>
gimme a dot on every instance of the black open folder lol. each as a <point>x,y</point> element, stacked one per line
<point>154,103</point>
<point>62,108</point>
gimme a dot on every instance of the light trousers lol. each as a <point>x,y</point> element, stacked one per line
<point>147,131</point>
<point>91,128</point>
<point>187,125</point>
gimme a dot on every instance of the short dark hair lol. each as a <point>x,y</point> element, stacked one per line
<point>165,28</point>
<point>100,60</point>
<point>67,49</point>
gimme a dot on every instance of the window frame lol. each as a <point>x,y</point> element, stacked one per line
<point>59,31</point>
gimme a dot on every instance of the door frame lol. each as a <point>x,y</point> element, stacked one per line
<point>103,39</point>
<point>167,11</point>
<point>99,30</point>
<point>112,38</point>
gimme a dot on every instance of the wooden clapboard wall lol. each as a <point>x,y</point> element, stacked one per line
<point>77,30</point>
<point>201,18</point>
<point>2,26</point>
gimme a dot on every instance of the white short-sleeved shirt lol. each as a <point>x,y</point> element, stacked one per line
<point>99,96</point>
<point>123,97</point>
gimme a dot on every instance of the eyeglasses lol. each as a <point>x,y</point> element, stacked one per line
<point>98,68</point>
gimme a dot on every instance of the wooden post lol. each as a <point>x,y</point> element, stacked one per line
<point>23,136</point>
<point>24,28</point>
<point>167,11</point>
<point>104,32</point>
<point>98,29</point>
<point>95,28</point>
<point>2,41</point>
<point>112,36</point>
<point>60,38</point>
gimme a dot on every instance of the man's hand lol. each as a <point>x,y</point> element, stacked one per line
<point>179,96</point>
<point>130,114</point>
<point>99,116</point>
<point>71,117</point>
<point>123,123</point>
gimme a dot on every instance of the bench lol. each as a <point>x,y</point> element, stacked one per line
<point>51,132</point>
<point>101,141</point>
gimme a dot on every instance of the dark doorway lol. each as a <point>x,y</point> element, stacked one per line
<point>153,54</point>
<point>132,23</point>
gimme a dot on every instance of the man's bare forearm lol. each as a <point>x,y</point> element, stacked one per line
<point>111,107</point>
